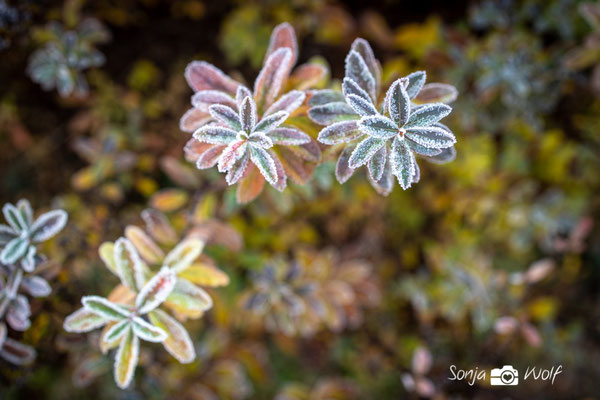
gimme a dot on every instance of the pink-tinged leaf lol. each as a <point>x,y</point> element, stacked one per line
<point>377,163</point>
<point>385,184</point>
<point>415,82</point>
<point>241,94</point>
<point>184,254</point>
<point>398,103</point>
<point>7,234</point>
<point>209,157</point>
<point>233,152</point>
<point>116,332</point>
<point>17,353</point>
<point>294,166</point>
<point>178,342</point>
<point>18,314</point>
<point>204,99</point>
<point>144,244</point>
<point>48,225</point>
<point>364,150</point>
<point>358,71</point>
<point>237,170</point>
<point>14,218</point>
<point>159,227</point>
<point>215,134</point>
<point>307,76</point>
<point>126,359</point>
<point>130,267</point>
<point>36,286</point>
<point>204,274</point>
<point>422,361</point>
<point>227,115</point>
<point>431,136</point>
<point>264,162</point>
<point>188,299</point>
<point>281,182</point>
<point>24,208</point>
<point>271,121</point>
<point>362,47</point>
<point>283,36</point>
<point>121,294</point>
<point>104,308</point>
<point>288,136</point>
<point>436,93</point>
<point>331,113</point>
<point>343,172</point>
<point>84,320</point>
<point>201,75</point>
<point>14,250</point>
<point>272,77</point>
<point>148,332</point>
<point>250,187</point>
<point>309,151</point>
<point>427,115</point>
<point>340,132</point>
<point>289,102</point>
<point>156,290</point>
<point>247,114</point>
<point>107,255</point>
<point>361,106</point>
<point>194,119</point>
<point>261,140</point>
<point>350,87</point>
<point>402,162</point>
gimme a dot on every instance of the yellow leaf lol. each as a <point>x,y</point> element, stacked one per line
<point>205,275</point>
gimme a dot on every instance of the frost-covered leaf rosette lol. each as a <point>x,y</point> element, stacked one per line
<point>19,259</point>
<point>254,135</point>
<point>136,308</point>
<point>383,130</point>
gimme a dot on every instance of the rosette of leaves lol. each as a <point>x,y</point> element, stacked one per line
<point>259,135</point>
<point>66,54</point>
<point>383,130</point>
<point>18,259</point>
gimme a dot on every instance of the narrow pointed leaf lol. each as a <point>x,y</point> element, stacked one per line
<point>242,93</point>
<point>378,127</point>
<point>24,207</point>
<point>209,157</point>
<point>104,308</point>
<point>28,261</point>
<point>193,119</point>
<point>422,150</point>
<point>201,75</point>
<point>247,114</point>
<point>237,170</point>
<point>340,132</point>
<point>126,359</point>
<point>343,172</point>
<point>156,290</point>
<point>289,102</point>
<point>215,134</point>
<point>148,332</point>
<point>283,36</point>
<point>362,47</point>
<point>264,162</point>
<point>398,102</point>
<point>272,77</point>
<point>48,225</point>
<point>446,155</point>
<point>130,267</point>
<point>428,115</point>
<point>261,140</point>
<point>332,112</point>
<point>178,342</point>
<point>361,106</point>
<point>431,136</point>
<point>416,80</point>
<point>288,136</point>
<point>364,151</point>
<point>350,87</point>
<point>14,250</point>
<point>402,163</point>
<point>84,320</point>
<point>377,163</point>
<point>321,97</point>
<point>14,218</point>
<point>227,115</point>
<point>271,121</point>
<point>117,331</point>
<point>358,71</point>
<point>184,254</point>
<point>232,153</point>
<point>385,184</point>
<point>203,99</point>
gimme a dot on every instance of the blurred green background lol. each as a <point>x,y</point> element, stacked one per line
<point>491,260</point>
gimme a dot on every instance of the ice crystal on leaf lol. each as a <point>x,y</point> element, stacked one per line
<point>254,135</point>
<point>19,259</point>
<point>383,131</point>
<point>132,311</point>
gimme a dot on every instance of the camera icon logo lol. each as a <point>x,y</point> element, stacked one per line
<point>505,376</point>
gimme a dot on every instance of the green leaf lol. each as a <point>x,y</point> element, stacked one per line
<point>188,299</point>
<point>104,308</point>
<point>263,160</point>
<point>14,218</point>
<point>84,320</point>
<point>48,225</point>
<point>156,290</point>
<point>14,250</point>
<point>117,331</point>
<point>130,267</point>
<point>178,342</point>
<point>330,113</point>
<point>416,80</point>
<point>215,134</point>
<point>427,115</point>
<point>271,121</point>
<point>340,132</point>
<point>364,151</point>
<point>126,359</point>
<point>361,106</point>
<point>358,71</point>
<point>431,136</point>
<point>398,103</point>
<point>147,331</point>
<point>402,163</point>
<point>377,162</point>
<point>378,127</point>
<point>226,115</point>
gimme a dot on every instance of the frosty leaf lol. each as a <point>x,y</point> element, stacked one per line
<point>36,286</point>
<point>350,87</point>
<point>332,112</point>
<point>378,127</point>
<point>270,80</point>
<point>448,154</point>
<point>126,359</point>
<point>159,227</point>
<point>201,75</point>
<point>283,36</point>
<point>343,172</point>
<point>431,136</point>
<point>248,114</point>
<point>145,246</point>
<point>48,225</point>
<point>307,76</point>
<point>385,184</point>
<point>437,93</point>
<point>156,290</point>
<point>237,170</point>
<point>361,106</point>
<point>398,103</point>
<point>288,136</point>
<point>271,122</point>
<point>28,261</point>
<point>130,267</point>
<point>193,119</point>
<point>242,93</point>
<point>107,255</point>
<point>84,320</point>
<point>18,314</point>
<point>422,150</point>
<point>184,254</point>
<point>321,97</point>
<point>261,140</point>
<point>6,234</point>
<point>402,163</point>
<point>17,353</point>
<point>210,157</point>
<point>104,308</point>
<point>14,250</point>
<point>147,331</point>
<point>233,152</point>
<point>340,132</point>
<point>215,134</point>
<point>25,209</point>
<point>377,162</point>
<point>264,162</point>
<point>205,275</point>
<point>358,71</point>
<point>249,188</point>
<point>204,99</point>
<point>14,218</point>
<point>289,102</point>
<point>188,299</point>
<point>117,331</point>
<point>227,115</point>
<point>416,80</point>
<point>417,176</point>
<point>363,48</point>
<point>364,151</point>
<point>428,114</point>
<point>178,342</point>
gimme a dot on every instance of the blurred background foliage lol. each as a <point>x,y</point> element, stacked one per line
<point>336,292</point>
